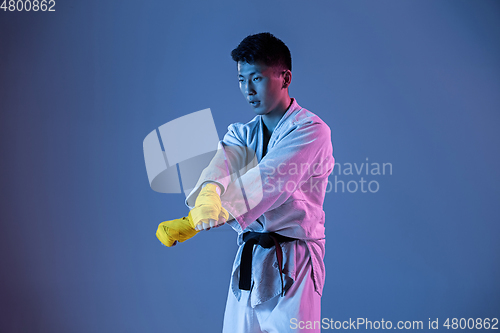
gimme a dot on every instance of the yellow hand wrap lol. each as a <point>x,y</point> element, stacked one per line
<point>176,230</point>
<point>208,206</point>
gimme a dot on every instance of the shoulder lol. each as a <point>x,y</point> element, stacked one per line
<point>306,117</point>
<point>304,120</point>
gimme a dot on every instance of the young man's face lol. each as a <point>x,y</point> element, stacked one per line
<point>264,87</point>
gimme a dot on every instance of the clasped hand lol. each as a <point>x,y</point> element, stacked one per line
<point>208,211</point>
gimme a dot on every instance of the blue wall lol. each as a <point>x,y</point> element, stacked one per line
<point>411,83</point>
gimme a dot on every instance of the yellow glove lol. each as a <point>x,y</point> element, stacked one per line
<point>169,232</point>
<point>208,207</point>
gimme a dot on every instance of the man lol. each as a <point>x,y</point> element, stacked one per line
<point>275,203</point>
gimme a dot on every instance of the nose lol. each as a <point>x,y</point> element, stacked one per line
<point>248,89</point>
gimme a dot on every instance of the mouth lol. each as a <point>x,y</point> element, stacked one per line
<point>254,103</point>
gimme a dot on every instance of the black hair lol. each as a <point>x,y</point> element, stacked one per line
<point>263,47</point>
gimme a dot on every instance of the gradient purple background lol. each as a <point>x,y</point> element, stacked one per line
<point>412,83</point>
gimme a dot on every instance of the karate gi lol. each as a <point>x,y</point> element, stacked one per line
<point>281,192</point>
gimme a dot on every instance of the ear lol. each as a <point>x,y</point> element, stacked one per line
<point>287,78</point>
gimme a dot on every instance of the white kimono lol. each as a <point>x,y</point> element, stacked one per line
<point>282,192</point>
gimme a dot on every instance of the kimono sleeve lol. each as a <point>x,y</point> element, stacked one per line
<point>231,160</point>
<point>299,155</point>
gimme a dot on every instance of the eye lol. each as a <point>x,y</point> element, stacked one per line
<point>257,78</point>
<point>240,80</point>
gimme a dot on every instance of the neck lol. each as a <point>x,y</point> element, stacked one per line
<point>272,118</point>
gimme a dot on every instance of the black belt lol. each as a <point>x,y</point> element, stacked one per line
<point>266,240</point>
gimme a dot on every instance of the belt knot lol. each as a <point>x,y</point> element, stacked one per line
<point>266,240</point>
